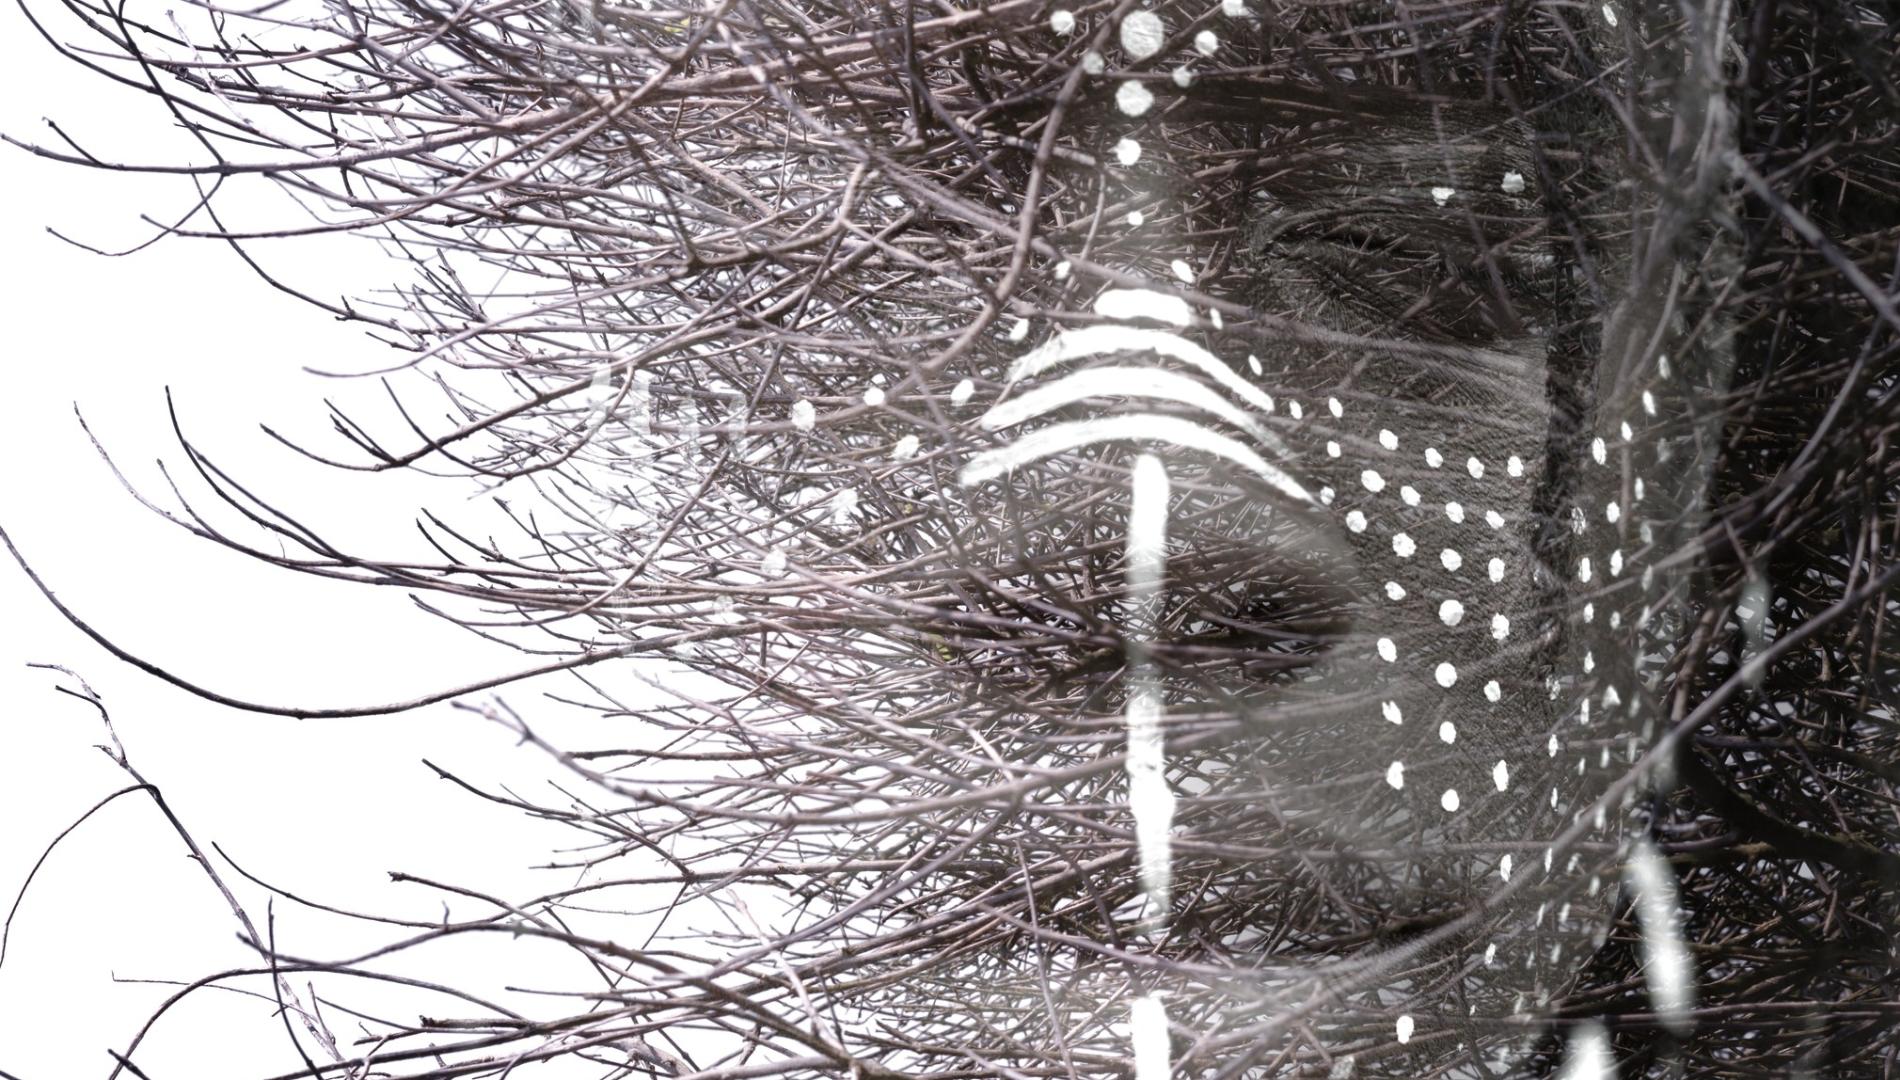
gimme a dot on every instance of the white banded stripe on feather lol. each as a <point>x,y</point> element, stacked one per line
<point>1123,381</point>
<point>1147,427</point>
<point>1148,1021</point>
<point>1144,304</point>
<point>1667,969</point>
<point>1149,796</point>
<point>1241,406</point>
<point>1132,382</point>
<point>1086,341</point>
<point>1587,1054</point>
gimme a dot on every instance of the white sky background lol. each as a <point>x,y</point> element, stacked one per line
<point>323,808</point>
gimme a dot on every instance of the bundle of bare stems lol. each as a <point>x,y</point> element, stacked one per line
<point>766,270</point>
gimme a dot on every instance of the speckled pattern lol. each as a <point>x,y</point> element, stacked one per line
<point>1488,484</point>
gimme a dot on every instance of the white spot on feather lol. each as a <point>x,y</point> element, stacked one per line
<point>844,504</point>
<point>1142,34</point>
<point>1134,99</point>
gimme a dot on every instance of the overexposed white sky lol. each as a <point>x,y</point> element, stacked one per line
<point>322,808</point>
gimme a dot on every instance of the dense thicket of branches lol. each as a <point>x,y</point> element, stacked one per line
<point>762,268</point>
